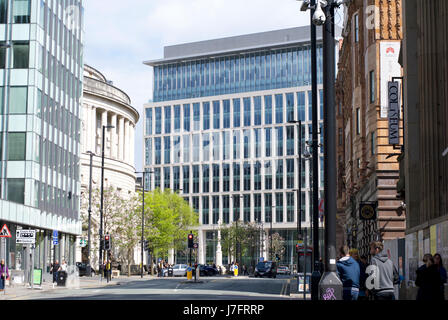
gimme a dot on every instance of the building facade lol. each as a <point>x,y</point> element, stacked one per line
<point>41,62</point>
<point>367,164</point>
<point>423,183</point>
<point>106,105</point>
<point>217,132</point>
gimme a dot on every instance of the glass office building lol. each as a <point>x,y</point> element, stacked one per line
<point>217,131</point>
<point>41,63</point>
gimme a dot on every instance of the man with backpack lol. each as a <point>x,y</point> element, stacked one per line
<point>384,276</point>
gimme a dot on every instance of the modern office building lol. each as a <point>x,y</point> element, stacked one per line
<point>41,62</point>
<point>217,131</point>
<point>105,105</point>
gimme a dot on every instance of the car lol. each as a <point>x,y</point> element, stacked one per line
<point>283,270</point>
<point>82,269</point>
<point>180,270</point>
<point>206,270</point>
<point>266,269</point>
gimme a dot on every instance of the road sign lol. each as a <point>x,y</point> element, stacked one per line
<point>4,232</point>
<point>26,236</point>
<point>55,237</point>
<point>82,243</point>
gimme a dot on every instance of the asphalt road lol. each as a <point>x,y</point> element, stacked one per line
<point>209,288</point>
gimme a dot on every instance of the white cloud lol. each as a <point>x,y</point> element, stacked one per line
<point>120,35</point>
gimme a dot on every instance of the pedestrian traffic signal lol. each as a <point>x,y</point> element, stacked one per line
<point>190,241</point>
<point>107,242</point>
<point>146,245</point>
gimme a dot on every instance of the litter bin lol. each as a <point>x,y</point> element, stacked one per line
<point>62,278</point>
<point>170,272</point>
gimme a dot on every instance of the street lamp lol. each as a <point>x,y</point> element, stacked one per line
<point>143,215</point>
<point>236,231</point>
<point>270,234</point>
<point>102,197</point>
<point>90,212</point>
<point>330,281</point>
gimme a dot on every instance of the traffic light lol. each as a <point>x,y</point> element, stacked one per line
<point>107,242</point>
<point>190,241</point>
<point>146,243</point>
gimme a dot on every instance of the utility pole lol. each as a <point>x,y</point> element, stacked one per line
<point>90,214</point>
<point>330,287</point>
<point>315,277</point>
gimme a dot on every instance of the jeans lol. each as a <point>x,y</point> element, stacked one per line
<point>384,296</point>
<point>350,294</point>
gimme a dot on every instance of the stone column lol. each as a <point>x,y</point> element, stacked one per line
<point>113,148</point>
<point>126,141</point>
<point>171,256</point>
<point>131,144</point>
<point>121,138</point>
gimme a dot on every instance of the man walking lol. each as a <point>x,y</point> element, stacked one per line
<point>384,275</point>
<point>349,273</point>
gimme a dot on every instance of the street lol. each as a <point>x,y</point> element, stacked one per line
<point>208,288</point>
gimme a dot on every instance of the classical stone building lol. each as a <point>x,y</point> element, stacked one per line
<point>367,165</point>
<point>106,105</point>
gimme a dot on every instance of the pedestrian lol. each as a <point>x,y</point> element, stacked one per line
<point>386,272</point>
<point>362,278</point>
<point>64,266</point>
<point>428,280</point>
<point>244,269</point>
<point>4,274</point>
<point>439,263</point>
<point>349,273</point>
<point>55,267</point>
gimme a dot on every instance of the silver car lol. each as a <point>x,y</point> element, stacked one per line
<point>180,270</point>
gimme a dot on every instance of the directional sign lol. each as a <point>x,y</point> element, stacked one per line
<point>4,232</point>
<point>26,236</point>
<point>55,237</point>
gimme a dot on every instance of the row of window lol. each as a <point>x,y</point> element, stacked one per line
<point>226,145</point>
<point>239,207</point>
<point>233,74</point>
<point>21,11</point>
<point>267,175</point>
<point>234,113</point>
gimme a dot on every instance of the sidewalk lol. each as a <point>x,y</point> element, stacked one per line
<point>16,291</point>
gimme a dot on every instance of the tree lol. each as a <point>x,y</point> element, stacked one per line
<point>278,245</point>
<point>169,219</point>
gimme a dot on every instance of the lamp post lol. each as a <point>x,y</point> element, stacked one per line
<point>143,215</point>
<point>90,213</point>
<point>330,281</point>
<point>270,235</point>
<point>102,198</point>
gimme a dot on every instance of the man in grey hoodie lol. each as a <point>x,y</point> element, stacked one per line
<point>385,273</point>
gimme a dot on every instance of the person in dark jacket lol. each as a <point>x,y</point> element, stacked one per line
<point>362,278</point>
<point>428,280</point>
<point>4,274</point>
<point>349,273</point>
<point>439,263</point>
<point>55,268</point>
<point>385,274</point>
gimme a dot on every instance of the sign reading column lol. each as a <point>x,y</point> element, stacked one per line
<point>393,93</point>
<point>389,66</point>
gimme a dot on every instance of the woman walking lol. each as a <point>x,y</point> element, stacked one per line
<point>428,280</point>
<point>4,273</point>
<point>439,263</point>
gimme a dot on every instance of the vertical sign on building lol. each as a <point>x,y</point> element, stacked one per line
<point>389,67</point>
<point>394,112</point>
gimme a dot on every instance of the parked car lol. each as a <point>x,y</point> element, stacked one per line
<point>266,269</point>
<point>82,269</point>
<point>206,270</point>
<point>283,270</point>
<point>180,270</point>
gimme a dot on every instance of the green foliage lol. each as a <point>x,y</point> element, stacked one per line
<point>169,219</point>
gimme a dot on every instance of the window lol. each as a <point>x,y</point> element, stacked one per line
<point>206,147</point>
<point>257,175</point>
<point>3,11</point>
<point>372,86</point>
<point>186,117</point>
<point>356,27</point>
<point>196,147</point>
<point>177,118</point>
<point>216,115</point>
<point>186,148</point>
<point>16,190</point>
<point>2,54</point>
<point>16,146</point>
<point>267,207</point>
<point>279,175</point>
<point>158,120</point>
<point>226,177</point>
<point>279,108</point>
<point>246,138</point>
<point>196,117</point>
<point>247,112</point>
<point>226,111</point>
<point>289,107</point>
<point>22,10</point>
<point>206,115</point>
<point>372,143</point>
<point>186,180</point>
<point>279,207</point>
<point>340,136</point>
<point>246,169</point>
<point>21,53</point>
<point>205,210</point>
<point>268,109</point>
<point>236,176</point>
<point>205,178</point>
<point>236,113</point>
<point>246,201</point>
<point>18,100</point>
<point>167,119</point>
<point>216,177</point>
<point>225,209</point>
<point>149,121</point>
<point>290,141</point>
<point>268,133</point>
<point>257,111</point>
<point>166,177</point>
<point>167,146</point>
<point>268,175</point>
<point>279,141</point>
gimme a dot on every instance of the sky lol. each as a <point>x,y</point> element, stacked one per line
<point>120,35</point>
